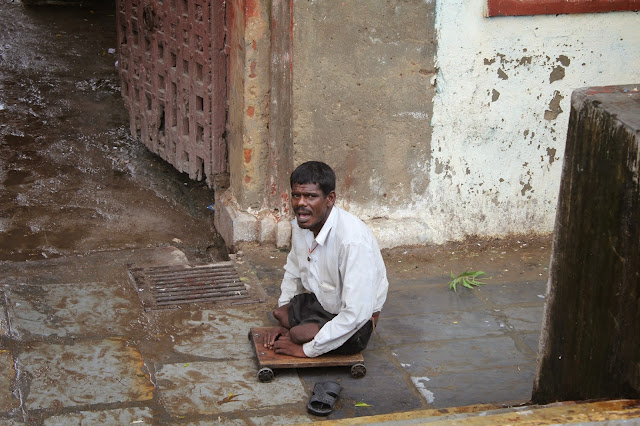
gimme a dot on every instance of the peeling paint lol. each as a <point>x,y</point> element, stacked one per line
<point>554,107</point>
<point>502,75</point>
<point>525,60</point>
<point>494,95</point>
<point>564,60</point>
<point>556,74</point>
<point>551,152</point>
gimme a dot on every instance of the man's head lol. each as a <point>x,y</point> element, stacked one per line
<point>312,194</point>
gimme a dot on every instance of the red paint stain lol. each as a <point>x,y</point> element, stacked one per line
<point>251,111</point>
<point>253,69</point>
<point>604,89</point>
<point>247,155</point>
<point>255,45</point>
<point>251,8</point>
<point>247,179</point>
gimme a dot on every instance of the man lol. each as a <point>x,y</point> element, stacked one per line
<point>335,281</point>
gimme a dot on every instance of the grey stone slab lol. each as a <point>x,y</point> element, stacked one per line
<point>218,334</point>
<point>8,400</point>
<point>512,293</point>
<point>524,318</point>
<point>109,266</point>
<point>124,416</point>
<point>385,387</point>
<point>201,387</point>
<point>220,420</point>
<point>4,327</point>
<point>91,372</point>
<point>454,356</point>
<point>282,419</point>
<point>70,309</point>
<point>491,386</point>
<point>412,300</point>
<point>532,340</point>
<point>438,326</point>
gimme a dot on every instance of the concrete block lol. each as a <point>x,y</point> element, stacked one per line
<point>267,229</point>
<point>234,225</point>
<point>589,346</point>
<point>283,234</point>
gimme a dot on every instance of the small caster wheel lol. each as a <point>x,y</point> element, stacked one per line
<point>265,375</point>
<point>358,371</point>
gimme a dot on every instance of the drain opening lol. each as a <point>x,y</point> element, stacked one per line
<point>168,287</point>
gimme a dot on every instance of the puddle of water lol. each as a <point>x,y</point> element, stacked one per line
<point>17,177</point>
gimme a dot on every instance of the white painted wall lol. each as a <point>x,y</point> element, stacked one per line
<point>498,139</point>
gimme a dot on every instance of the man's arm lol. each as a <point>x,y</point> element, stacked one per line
<point>291,282</point>
<point>359,272</point>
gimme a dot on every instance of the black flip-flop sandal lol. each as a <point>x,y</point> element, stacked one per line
<point>324,397</point>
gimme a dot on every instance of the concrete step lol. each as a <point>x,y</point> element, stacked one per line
<point>622,411</point>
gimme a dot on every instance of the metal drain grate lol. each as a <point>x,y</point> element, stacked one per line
<point>168,287</point>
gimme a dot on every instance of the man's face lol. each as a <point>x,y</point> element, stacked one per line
<point>311,206</point>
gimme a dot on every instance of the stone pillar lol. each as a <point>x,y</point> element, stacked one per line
<point>589,346</point>
<point>250,209</point>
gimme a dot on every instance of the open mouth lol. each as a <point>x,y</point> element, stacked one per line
<point>303,216</point>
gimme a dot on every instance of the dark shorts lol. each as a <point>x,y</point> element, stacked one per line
<point>304,308</point>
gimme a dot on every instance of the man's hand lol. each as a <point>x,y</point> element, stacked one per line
<point>272,335</point>
<point>285,346</point>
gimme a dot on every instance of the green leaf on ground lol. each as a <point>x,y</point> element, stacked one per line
<point>362,404</point>
<point>467,279</point>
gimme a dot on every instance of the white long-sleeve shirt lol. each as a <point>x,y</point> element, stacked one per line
<point>345,272</point>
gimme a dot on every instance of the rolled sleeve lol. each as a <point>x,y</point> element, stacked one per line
<point>358,300</point>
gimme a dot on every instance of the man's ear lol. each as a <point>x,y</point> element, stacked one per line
<point>331,197</point>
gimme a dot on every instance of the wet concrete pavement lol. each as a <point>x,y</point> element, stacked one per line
<point>77,346</point>
<point>82,203</point>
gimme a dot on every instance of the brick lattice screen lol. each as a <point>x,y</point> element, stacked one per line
<point>172,68</point>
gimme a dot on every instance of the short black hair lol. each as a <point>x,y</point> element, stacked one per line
<point>315,172</point>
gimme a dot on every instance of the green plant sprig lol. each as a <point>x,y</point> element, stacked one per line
<point>468,279</point>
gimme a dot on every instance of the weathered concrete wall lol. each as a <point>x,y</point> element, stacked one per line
<point>589,347</point>
<point>501,112</point>
<point>482,157</point>
<point>475,151</point>
<point>362,99</point>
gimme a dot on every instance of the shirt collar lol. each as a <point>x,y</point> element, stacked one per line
<point>324,232</point>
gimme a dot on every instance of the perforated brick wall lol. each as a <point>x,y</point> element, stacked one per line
<point>172,68</point>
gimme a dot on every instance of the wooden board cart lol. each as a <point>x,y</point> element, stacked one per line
<point>268,360</point>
